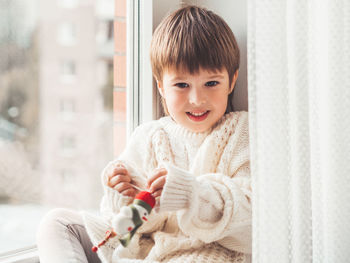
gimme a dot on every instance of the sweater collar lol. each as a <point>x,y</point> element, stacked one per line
<point>195,138</point>
<point>178,131</point>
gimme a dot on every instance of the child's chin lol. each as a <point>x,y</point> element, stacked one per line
<point>201,128</point>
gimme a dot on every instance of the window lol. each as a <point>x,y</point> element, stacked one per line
<point>33,134</point>
<point>67,180</point>
<point>67,108</point>
<point>104,31</point>
<point>41,157</point>
<point>105,8</point>
<point>68,144</point>
<point>67,35</point>
<point>68,71</point>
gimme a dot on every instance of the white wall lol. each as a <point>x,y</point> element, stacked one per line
<point>161,8</point>
<point>234,12</point>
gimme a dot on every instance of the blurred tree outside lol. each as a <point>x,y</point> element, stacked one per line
<point>19,103</point>
<point>107,90</point>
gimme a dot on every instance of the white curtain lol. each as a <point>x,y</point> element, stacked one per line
<point>299,109</point>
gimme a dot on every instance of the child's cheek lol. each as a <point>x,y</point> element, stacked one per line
<point>175,101</point>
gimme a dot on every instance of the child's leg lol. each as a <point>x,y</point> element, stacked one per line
<point>62,238</point>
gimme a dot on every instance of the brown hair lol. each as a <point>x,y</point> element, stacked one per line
<point>191,38</point>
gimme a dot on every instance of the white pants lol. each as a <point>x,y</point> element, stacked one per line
<point>62,238</point>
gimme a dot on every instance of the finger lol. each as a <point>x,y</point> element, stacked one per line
<point>156,173</point>
<point>118,179</point>
<point>129,192</point>
<point>120,170</point>
<point>117,172</point>
<point>158,183</point>
<point>123,186</point>
<point>157,193</point>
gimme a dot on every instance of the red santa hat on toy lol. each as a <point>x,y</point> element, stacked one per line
<point>146,200</point>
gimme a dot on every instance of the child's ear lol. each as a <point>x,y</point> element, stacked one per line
<point>160,87</point>
<point>233,82</point>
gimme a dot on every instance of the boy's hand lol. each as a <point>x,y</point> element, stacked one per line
<point>120,180</point>
<point>157,181</point>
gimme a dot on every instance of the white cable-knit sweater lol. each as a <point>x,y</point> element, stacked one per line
<point>205,208</point>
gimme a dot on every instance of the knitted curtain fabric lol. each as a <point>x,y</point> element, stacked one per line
<point>299,110</point>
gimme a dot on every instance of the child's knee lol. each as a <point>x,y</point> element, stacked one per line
<point>55,220</point>
<point>56,215</point>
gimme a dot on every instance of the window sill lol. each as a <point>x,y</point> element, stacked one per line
<point>24,255</point>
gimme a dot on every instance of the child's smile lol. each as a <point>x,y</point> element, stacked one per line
<point>198,116</point>
<point>196,101</point>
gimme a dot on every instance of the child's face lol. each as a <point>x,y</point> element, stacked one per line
<point>197,101</point>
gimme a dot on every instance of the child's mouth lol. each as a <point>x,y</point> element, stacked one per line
<point>198,116</point>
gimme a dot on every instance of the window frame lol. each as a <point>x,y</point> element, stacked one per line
<point>22,255</point>
<point>142,96</point>
<point>132,71</point>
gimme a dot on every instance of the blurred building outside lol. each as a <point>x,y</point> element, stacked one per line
<point>56,102</point>
<point>76,84</point>
<point>56,107</point>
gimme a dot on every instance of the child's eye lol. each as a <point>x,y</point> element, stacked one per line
<point>181,85</point>
<point>211,83</point>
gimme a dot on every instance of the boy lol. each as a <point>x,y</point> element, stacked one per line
<point>195,161</point>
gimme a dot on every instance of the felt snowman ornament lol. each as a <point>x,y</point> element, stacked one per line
<point>130,218</point>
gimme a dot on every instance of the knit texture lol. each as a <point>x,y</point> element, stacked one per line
<point>204,213</point>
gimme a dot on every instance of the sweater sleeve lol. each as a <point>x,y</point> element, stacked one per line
<point>211,207</point>
<point>133,158</point>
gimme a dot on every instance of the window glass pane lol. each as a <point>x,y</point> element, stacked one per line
<point>56,111</point>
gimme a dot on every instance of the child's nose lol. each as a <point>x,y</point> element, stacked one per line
<point>197,97</point>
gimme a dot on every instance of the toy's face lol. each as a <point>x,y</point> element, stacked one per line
<point>143,214</point>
